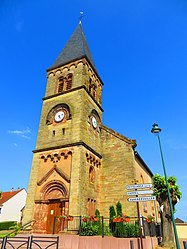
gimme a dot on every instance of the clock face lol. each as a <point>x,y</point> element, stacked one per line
<point>94,122</point>
<point>59,116</point>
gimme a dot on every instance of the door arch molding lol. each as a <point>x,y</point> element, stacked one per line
<point>54,190</point>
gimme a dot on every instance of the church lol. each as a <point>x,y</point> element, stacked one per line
<point>79,165</point>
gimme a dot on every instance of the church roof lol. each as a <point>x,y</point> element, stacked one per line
<point>139,158</point>
<point>75,48</point>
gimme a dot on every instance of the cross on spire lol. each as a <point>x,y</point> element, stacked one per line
<point>81,16</point>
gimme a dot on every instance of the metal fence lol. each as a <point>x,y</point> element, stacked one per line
<point>2,242</point>
<point>107,227</point>
<point>30,242</point>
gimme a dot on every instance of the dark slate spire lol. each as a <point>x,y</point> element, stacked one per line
<point>75,48</point>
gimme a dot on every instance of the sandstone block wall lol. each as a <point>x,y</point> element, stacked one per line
<point>117,171</point>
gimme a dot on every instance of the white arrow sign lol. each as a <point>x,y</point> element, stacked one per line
<point>144,185</point>
<point>143,198</point>
<point>140,192</point>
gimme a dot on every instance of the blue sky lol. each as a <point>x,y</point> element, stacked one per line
<point>140,51</point>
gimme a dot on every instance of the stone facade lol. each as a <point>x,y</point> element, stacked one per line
<point>79,164</point>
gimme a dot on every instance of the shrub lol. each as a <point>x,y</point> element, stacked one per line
<point>126,230</point>
<point>112,212</point>
<point>119,209</point>
<point>97,213</point>
<point>98,223</point>
<point>91,225</point>
<point>6,225</point>
<point>107,230</point>
<point>120,225</point>
<point>119,230</point>
<point>89,229</point>
<point>132,230</point>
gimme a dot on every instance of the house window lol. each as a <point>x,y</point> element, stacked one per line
<point>0,210</point>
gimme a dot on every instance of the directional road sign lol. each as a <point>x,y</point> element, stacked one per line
<point>140,192</point>
<point>143,198</point>
<point>144,185</point>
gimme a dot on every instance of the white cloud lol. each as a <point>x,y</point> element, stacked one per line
<point>176,145</point>
<point>21,133</point>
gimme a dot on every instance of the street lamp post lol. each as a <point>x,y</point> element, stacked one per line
<point>155,129</point>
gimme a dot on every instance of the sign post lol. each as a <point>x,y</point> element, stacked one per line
<point>136,191</point>
<point>143,198</point>
<point>138,211</point>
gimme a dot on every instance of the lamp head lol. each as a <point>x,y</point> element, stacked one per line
<point>155,128</point>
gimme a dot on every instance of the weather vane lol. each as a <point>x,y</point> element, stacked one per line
<point>81,16</point>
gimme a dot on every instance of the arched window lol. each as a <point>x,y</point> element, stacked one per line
<point>92,88</point>
<point>60,84</point>
<point>91,174</point>
<point>90,85</point>
<point>94,91</point>
<point>65,83</point>
<point>69,81</point>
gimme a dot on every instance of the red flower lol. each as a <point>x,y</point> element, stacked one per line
<point>127,219</point>
<point>84,219</point>
<point>119,219</point>
<point>70,218</point>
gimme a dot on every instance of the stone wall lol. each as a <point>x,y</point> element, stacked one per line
<point>117,171</point>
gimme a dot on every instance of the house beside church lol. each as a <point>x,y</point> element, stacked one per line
<point>11,205</point>
<point>79,164</point>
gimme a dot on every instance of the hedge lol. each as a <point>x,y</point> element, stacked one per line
<point>6,225</point>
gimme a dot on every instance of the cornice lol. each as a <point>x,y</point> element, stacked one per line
<point>76,62</point>
<point>69,145</point>
<point>119,136</point>
<point>72,90</point>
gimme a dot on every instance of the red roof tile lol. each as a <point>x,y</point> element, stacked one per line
<point>8,195</point>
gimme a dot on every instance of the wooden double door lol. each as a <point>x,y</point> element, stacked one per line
<point>56,208</point>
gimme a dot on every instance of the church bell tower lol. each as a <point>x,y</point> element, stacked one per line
<point>67,157</point>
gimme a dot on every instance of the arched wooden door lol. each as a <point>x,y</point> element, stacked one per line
<point>56,195</point>
<point>54,211</point>
<point>55,224</point>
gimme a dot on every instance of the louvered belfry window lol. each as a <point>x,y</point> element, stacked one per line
<point>65,83</point>
<point>69,82</point>
<point>60,84</point>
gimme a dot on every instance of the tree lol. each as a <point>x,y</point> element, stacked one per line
<point>162,198</point>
